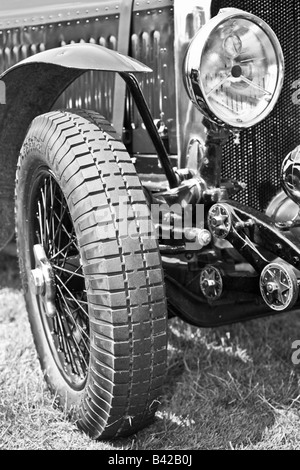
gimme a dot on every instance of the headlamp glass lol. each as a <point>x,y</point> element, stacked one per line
<point>238,76</point>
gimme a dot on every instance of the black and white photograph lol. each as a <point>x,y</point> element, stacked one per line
<point>150,227</point>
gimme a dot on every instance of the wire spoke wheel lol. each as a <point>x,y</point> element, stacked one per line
<point>54,236</point>
<point>95,296</point>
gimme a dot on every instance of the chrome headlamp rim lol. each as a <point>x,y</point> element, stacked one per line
<point>191,67</point>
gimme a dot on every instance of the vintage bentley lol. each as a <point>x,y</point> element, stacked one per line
<point>149,160</point>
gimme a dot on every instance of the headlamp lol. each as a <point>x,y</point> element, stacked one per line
<point>290,175</point>
<point>234,68</point>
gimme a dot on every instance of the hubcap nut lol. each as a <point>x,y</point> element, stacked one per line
<point>38,282</point>
<point>272,287</point>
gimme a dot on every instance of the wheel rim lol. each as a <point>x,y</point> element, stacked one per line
<point>52,233</point>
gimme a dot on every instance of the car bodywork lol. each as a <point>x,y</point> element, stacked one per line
<point>53,72</point>
<point>156,33</point>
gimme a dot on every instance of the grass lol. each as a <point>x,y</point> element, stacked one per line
<point>233,387</point>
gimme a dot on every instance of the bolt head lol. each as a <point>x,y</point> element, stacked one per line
<point>272,287</point>
<point>204,237</point>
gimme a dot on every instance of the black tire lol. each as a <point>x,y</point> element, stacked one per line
<point>99,318</point>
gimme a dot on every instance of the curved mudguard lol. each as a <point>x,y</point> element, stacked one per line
<point>32,87</point>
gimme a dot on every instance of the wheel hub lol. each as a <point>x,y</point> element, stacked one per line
<point>43,280</point>
<point>279,286</point>
<point>272,287</point>
<point>219,221</point>
<point>211,283</point>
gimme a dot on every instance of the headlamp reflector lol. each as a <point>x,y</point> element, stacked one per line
<point>234,69</point>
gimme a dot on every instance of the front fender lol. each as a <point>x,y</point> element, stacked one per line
<point>32,87</point>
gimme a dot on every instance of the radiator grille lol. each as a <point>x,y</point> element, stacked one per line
<point>257,161</point>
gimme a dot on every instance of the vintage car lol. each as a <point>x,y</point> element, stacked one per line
<point>150,162</point>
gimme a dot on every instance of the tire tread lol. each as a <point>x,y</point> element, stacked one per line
<point>127,318</point>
